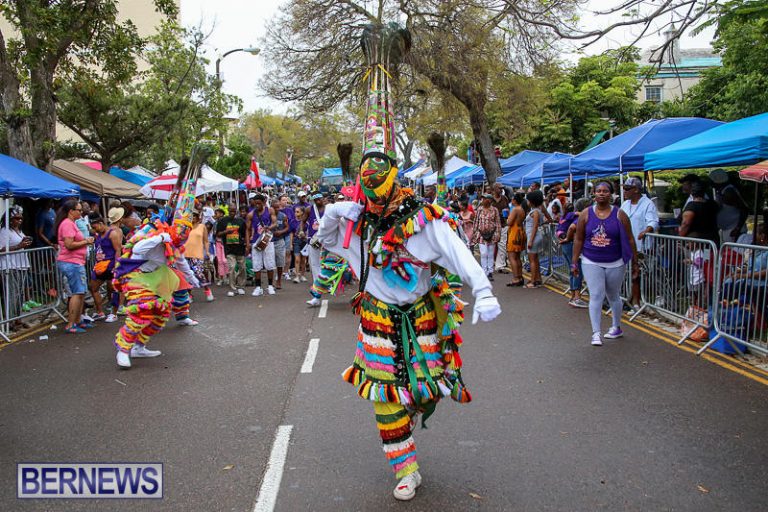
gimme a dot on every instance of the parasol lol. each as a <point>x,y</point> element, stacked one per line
<point>759,174</point>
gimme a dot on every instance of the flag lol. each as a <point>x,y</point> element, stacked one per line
<point>253,180</point>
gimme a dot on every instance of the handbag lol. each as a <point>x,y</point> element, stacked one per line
<point>101,267</point>
<point>487,236</point>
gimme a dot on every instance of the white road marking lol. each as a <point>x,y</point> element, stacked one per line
<point>323,309</point>
<point>309,359</point>
<point>270,486</point>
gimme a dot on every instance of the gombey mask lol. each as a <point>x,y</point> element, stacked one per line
<point>377,175</point>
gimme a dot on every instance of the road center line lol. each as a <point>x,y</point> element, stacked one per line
<point>309,359</point>
<point>270,486</point>
<point>323,309</point>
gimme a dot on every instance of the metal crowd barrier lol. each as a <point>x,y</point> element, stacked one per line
<point>677,278</point>
<point>740,308</point>
<point>31,286</point>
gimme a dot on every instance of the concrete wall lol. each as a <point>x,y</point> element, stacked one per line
<point>671,86</point>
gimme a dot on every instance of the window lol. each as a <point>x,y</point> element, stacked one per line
<point>653,93</point>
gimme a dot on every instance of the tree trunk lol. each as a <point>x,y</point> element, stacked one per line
<point>106,162</point>
<point>16,118</point>
<point>479,123</point>
<point>407,151</point>
<point>43,126</point>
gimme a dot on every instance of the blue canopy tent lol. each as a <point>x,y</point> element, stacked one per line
<point>465,176</point>
<point>626,152</point>
<point>535,172</point>
<point>741,142</point>
<point>133,177</point>
<point>522,158</point>
<point>20,179</point>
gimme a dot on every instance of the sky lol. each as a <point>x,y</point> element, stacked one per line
<point>240,23</point>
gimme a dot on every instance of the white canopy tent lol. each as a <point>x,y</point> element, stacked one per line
<point>452,165</point>
<point>210,180</point>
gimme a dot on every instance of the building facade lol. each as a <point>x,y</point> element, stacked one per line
<point>676,70</point>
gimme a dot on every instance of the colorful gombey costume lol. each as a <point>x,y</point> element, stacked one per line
<point>334,271</point>
<point>409,313</point>
<point>153,274</point>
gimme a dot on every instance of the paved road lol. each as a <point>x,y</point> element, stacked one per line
<point>555,423</point>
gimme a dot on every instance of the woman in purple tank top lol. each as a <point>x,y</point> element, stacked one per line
<point>108,246</point>
<point>605,244</point>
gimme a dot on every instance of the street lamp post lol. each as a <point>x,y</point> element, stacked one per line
<point>253,51</point>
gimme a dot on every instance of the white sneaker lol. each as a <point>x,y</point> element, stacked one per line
<point>613,333</point>
<point>406,488</point>
<point>597,340</point>
<point>210,297</point>
<point>271,290</point>
<point>313,302</point>
<point>257,292</point>
<point>142,351</point>
<point>287,276</point>
<point>230,293</point>
<point>87,318</point>
<point>188,321</point>
<point>296,280</point>
<point>303,279</point>
<point>111,318</point>
<point>123,359</point>
<point>240,291</point>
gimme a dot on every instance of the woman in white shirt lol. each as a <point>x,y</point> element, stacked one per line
<point>16,263</point>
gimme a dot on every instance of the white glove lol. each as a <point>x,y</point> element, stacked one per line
<point>349,210</point>
<point>486,309</point>
<point>166,238</point>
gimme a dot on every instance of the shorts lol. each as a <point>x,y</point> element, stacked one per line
<point>75,275</point>
<point>298,245</point>
<point>538,244</point>
<point>264,260</point>
<point>279,252</point>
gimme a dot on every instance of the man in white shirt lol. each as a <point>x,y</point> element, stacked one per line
<point>644,219</point>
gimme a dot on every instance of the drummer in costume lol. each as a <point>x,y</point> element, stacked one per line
<point>152,268</point>
<point>407,343</point>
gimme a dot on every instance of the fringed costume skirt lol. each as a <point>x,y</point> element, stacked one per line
<point>400,358</point>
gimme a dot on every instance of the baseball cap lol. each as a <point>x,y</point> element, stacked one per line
<point>562,192</point>
<point>302,193</point>
<point>317,196</point>
<point>633,182</point>
<point>16,212</point>
<point>251,195</point>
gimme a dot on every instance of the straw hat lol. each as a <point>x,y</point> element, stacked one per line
<point>115,214</point>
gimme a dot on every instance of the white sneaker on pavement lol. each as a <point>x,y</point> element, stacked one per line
<point>613,333</point>
<point>240,291</point>
<point>296,280</point>
<point>597,340</point>
<point>210,297</point>
<point>111,318</point>
<point>230,293</point>
<point>188,321</point>
<point>314,302</point>
<point>257,292</point>
<point>123,359</point>
<point>303,279</point>
<point>142,351</point>
<point>271,290</point>
<point>406,488</point>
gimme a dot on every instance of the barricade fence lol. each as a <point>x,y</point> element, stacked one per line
<point>740,307</point>
<point>31,286</point>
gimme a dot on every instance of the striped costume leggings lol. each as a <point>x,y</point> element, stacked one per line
<point>142,323</point>
<point>394,424</point>
<point>180,305</point>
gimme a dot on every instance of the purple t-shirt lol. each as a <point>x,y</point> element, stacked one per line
<point>265,219</point>
<point>312,219</point>
<point>564,223</point>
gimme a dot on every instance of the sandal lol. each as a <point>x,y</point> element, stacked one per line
<point>533,284</point>
<point>74,330</point>
<point>516,283</point>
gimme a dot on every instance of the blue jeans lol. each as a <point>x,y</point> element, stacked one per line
<point>575,282</point>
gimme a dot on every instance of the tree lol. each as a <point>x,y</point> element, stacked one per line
<point>126,116</point>
<point>584,101</point>
<point>458,47</point>
<point>740,87</point>
<point>46,35</point>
